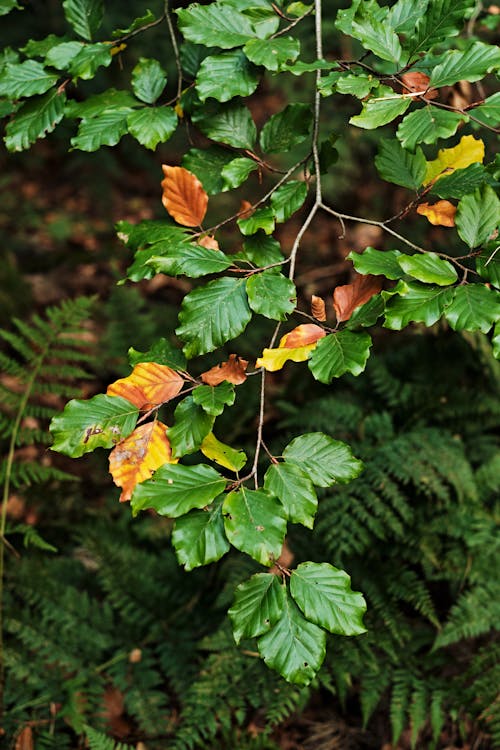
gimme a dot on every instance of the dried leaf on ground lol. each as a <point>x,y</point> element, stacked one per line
<point>183,196</point>
<point>348,297</point>
<point>233,370</point>
<point>318,308</point>
<point>441,214</point>
<point>148,385</point>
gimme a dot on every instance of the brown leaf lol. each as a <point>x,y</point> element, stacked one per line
<point>148,385</point>
<point>135,459</point>
<point>441,214</point>
<point>246,210</point>
<point>348,297</point>
<point>417,81</point>
<point>209,242</point>
<point>233,371</point>
<point>303,335</point>
<point>318,308</point>
<point>24,740</point>
<point>183,196</point>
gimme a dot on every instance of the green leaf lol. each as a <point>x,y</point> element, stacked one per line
<point>271,294</point>
<point>148,80</point>
<point>236,172</point>
<point>208,165</point>
<point>25,79</point>
<point>294,647</point>
<point>137,23</point>
<point>188,259</point>
<point>367,315</point>
<point>255,523</point>
<point>173,246</point>
<point>99,422</point>
<point>488,264</point>
<point>380,109</point>
<point>162,352</point>
<point>60,55</point>
<point>399,166</point>
<point>215,25</point>
<point>85,16</point>
<point>104,130</point>
<point>223,454</point>
<point>191,56</point>
<point>34,48</point>
<point>442,19</point>
<point>192,425</point>
<point>261,250</point>
<point>262,218</point>
<point>377,262</point>
<point>90,58</point>
<point>213,314</point>
<point>378,37</point>
<point>358,85</point>
<point>258,604</point>
<point>416,303</point>
<point>474,308</point>
<point>427,125</point>
<point>478,215</point>
<point>460,182</point>
<point>325,460</point>
<point>95,105</point>
<point>429,268</point>
<point>404,15</point>
<point>231,124</point>
<point>272,53</point>
<point>345,18</point>
<point>199,538</point>
<point>489,111</point>
<point>176,489</point>
<point>37,117</point>
<point>324,595</point>
<point>495,341</point>
<point>287,199</point>
<point>339,353</point>
<point>295,490</point>
<point>470,65</point>
<point>152,125</point>
<point>286,129</point>
<point>225,76</point>
<point>7,5</point>
<point>213,399</point>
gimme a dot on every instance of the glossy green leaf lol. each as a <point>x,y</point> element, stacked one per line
<point>404,15</point>
<point>396,164</point>
<point>416,303</point>
<point>325,460</point>
<point>377,262</point>
<point>230,458</point>
<point>383,107</point>
<point>427,125</point>
<point>25,79</point>
<point>231,124</point>
<point>199,538</point>
<point>225,76</point>
<point>213,314</point>
<point>470,65</point>
<point>37,117</point>
<point>255,523</point>
<point>176,489</point>
<point>287,199</point>
<point>338,353</point>
<point>192,424</point>
<point>460,182</point>
<point>272,53</point>
<point>190,260</point>
<point>85,16</point>
<point>429,268</point>
<point>209,166</point>
<point>286,129</point>
<point>99,103</point>
<point>215,25</point>
<point>137,23</point>
<point>378,37</point>
<point>262,218</point>
<point>105,130</point>
<point>478,215</point>
<point>236,172</point>
<point>346,18</point>
<point>148,80</point>
<point>358,85</point>
<point>294,647</point>
<point>258,604</point>
<point>191,56</point>
<point>489,111</point>
<point>213,399</point>
<point>152,125</point>
<point>261,250</point>
<point>367,315</point>
<point>295,490</point>
<point>162,352</point>
<point>89,59</point>
<point>271,294</point>
<point>99,422</point>
<point>441,20</point>
<point>173,247</point>
<point>34,48</point>
<point>324,595</point>
<point>474,308</point>
<point>488,264</point>
<point>60,55</point>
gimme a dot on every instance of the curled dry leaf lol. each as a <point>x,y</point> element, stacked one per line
<point>209,242</point>
<point>295,346</point>
<point>348,297</point>
<point>318,308</point>
<point>135,459</point>
<point>417,82</point>
<point>233,370</point>
<point>183,196</point>
<point>148,385</point>
<point>440,214</point>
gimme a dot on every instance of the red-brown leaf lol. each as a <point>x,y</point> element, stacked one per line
<point>417,82</point>
<point>24,740</point>
<point>233,371</point>
<point>318,308</point>
<point>183,196</point>
<point>348,297</point>
<point>303,335</point>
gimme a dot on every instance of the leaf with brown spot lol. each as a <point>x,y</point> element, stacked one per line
<point>318,308</point>
<point>183,196</point>
<point>440,214</point>
<point>417,82</point>
<point>135,459</point>
<point>348,297</point>
<point>233,370</point>
<point>209,242</point>
<point>303,335</point>
<point>148,385</point>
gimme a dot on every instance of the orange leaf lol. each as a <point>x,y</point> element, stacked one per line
<point>147,385</point>
<point>318,309</point>
<point>246,210</point>
<point>24,740</point>
<point>348,297</point>
<point>183,196</point>
<point>209,242</point>
<point>233,371</point>
<point>136,458</point>
<point>302,336</point>
<point>440,214</point>
<point>417,81</point>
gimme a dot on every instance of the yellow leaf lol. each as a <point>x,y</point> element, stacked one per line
<point>274,359</point>
<point>148,385</point>
<point>441,214</point>
<point>223,454</point>
<point>468,151</point>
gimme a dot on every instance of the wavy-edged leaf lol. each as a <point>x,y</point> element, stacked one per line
<point>208,165</point>
<point>215,25</point>
<point>199,538</point>
<point>192,424</point>
<point>25,79</point>
<point>261,219</point>
<point>429,268</point>
<point>225,76</point>
<point>377,262</point>
<point>272,53</point>
<point>233,370</point>
<point>478,215</point>
<point>89,59</point>
<point>396,164</point>
<point>460,182</point>
<point>381,108</point>
<point>258,604</point>
<point>468,151</point>
<point>230,458</point>
<point>338,353</point>
<point>474,308</point>
<point>255,523</point>
<point>105,130</point>
<point>325,460</point>
<point>347,297</point>
<point>236,172</point>
<point>271,294</point>
<point>427,125</point>
<point>378,37</point>
<point>286,129</point>
<point>470,65</point>
<point>85,16</point>
<point>162,352</point>
<point>37,117</point>
<point>295,490</point>
<point>148,385</point>
<point>439,214</point>
<point>152,125</point>
<point>98,103</point>
<point>213,399</point>
<point>416,303</point>
<point>287,199</point>
<point>231,124</point>
<point>274,359</point>
<point>441,20</point>
<point>137,23</point>
<point>189,260</point>
<point>148,80</point>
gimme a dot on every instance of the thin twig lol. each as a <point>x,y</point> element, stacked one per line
<point>124,38</point>
<point>175,47</point>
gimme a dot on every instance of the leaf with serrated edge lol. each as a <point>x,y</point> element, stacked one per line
<point>255,523</point>
<point>214,399</point>
<point>429,268</point>
<point>470,65</point>
<point>85,16</point>
<point>380,109</point>
<point>258,604</point>
<point>225,76</point>
<point>176,489</point>
<point>474,308</point>
<point>231,124</point>
<point>148,80</point>
<point>152,125</point>
<point>222,454</point>
<point>324,595</point>
<point>416,303</point>
<point>287,199</point>
<point>37,117</point>
<point>478,215</point>
<point>272,53</point>
<point>183,196</point>
<point>427,125</point>
<point>325,460</point>
<point>25,79</point>
<point>377,262</point>
<point>199,538</point>
<point>104,130</point>
<point>271,294</point>
<point>338,353</point>
<point>286,129</point>
<point>396,164</point>
<point>189,260</point>
<point>295,490</point>
<point>215,26</point>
